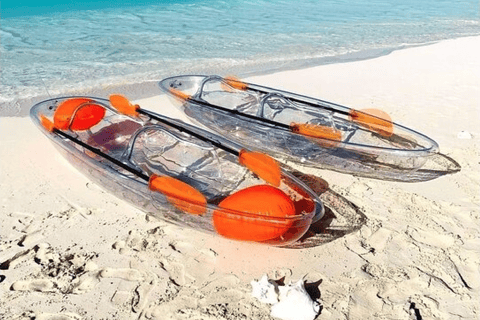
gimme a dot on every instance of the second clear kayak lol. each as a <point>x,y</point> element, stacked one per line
<point>303,131</point>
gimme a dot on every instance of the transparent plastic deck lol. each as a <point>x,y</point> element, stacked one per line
<point>156,148</point>
<point>359,150</point>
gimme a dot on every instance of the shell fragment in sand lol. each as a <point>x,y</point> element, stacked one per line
<point>265,290</point>
<point>464,135</point>
<point>290,302</point>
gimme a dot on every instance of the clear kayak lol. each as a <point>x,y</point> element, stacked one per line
<point>183,174</point>
<point>303,131</point>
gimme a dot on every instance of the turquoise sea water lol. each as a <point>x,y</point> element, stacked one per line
<point>61,47</point>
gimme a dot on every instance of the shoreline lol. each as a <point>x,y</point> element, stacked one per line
<point>149,88</point>
<point>70,250</point>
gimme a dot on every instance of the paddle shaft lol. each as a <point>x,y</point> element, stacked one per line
<point>102,154</point>
<point>302,101</point>
<point>246,115</point>
<point>376,123</point>
<point>194,134</point>
<point>260,119</point>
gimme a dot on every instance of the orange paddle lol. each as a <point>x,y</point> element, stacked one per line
<point>330,137</point>
<point>261,164</point>
<point>333,135</point>
<point>179,193</point>
<point>373,119</point>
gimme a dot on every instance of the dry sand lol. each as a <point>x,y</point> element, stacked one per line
<point>69,250</point>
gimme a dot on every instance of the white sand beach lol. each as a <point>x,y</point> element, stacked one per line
<point>70,250</point>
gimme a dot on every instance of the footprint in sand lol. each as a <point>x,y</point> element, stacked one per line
<point>48,316</point>
<point>73,275</point>
<point>57,316</point>
<point>176,271</point>
<point>184,262</point>
<point>124,274</point>
<point>17,259</point>
<point>42,285</point>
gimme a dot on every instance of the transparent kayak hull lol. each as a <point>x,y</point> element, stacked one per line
<point>358,149</point>
<point>156,148</point>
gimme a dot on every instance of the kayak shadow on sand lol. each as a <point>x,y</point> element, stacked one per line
<point>436,166</point>
<point>341,216</point>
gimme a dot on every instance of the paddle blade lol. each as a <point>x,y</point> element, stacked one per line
<point>262,201</point>
<point>86,116</point>
<point>262,165</point>
<point>330,137</point>
<point>64,113</point>
<point>235,83</point>
<point>123,105</point>
<point>182,96</point>
<point>373,119</point>
<point>46,123</point>
<point>179,194</point>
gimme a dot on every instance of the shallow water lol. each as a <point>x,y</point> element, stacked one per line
<point>61,48</point>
